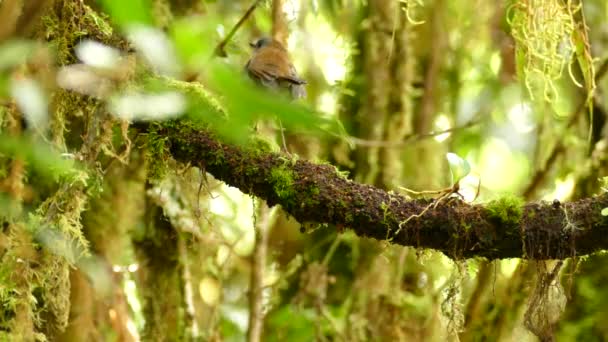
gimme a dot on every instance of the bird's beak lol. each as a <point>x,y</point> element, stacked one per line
<point>252,44</point>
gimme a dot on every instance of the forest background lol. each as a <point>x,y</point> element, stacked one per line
<point>149,191</point>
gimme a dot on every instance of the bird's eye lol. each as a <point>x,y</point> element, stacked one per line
<point>259,43</point>
<point>263,42</point>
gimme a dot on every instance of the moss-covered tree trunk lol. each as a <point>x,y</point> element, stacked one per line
<point>160,278</point>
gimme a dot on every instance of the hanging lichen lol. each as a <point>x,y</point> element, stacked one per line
<point>542,30</point>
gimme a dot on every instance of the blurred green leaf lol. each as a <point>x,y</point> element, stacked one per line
<point>31,100</point>
<point>156,48</point>
<point>125,13</point>
<point>56,241</point>
<point>10,208</point>
<point>15,52</point>
<point>192,40</point>
<point>230,330</point>
<point>287,324</point>
<point>40,157</point>
<point>246,103</point>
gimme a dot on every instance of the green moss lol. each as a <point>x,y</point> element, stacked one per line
<point>69,22</point>
<point>466,226</point>
<point>252,171</point>
<point>261,146</point>
<point>43,245</point>
<point>385,211</point>
<point>218,157</point>
<point>197,94</point>
<point>156,154</point>
<point>282,182</point>
<point>349,218</point>
<point>63,26</point>
<point>312,198</point>
<point>508,209</point>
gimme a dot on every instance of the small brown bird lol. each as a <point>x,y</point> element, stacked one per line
<point>270,66</point>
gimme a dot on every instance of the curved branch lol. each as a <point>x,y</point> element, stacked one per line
<point>317,193</point>
<point>220,49</point>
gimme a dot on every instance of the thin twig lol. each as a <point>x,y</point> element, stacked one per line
<point>540,174</point>
<point>408,138</point>
<point>258,269</point>
<point>220,49</point>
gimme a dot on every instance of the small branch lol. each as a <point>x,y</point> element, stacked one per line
<point>279,22</point>
<point>220,49</point>
<point>540,174</point>
<point>474,308</point>
<point>10,10</point>
<point>559,147</point>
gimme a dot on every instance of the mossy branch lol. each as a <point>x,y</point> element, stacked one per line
<point>317,193</point>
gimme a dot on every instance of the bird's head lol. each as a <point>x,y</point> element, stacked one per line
<point>262,42</point>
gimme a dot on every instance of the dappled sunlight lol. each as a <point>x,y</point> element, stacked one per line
<point>521,118</point>
<point>501,168</point>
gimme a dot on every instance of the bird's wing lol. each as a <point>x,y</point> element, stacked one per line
<point>271,68</point>
<point>293,79</point>
<point>293,76</point>
<point>266,71</point>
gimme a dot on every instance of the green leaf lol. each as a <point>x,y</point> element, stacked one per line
<point>459,167</point>
<point>605,212</point>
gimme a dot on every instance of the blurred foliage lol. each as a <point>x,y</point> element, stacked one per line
<point>137,12</point>
<point>104,237</point>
